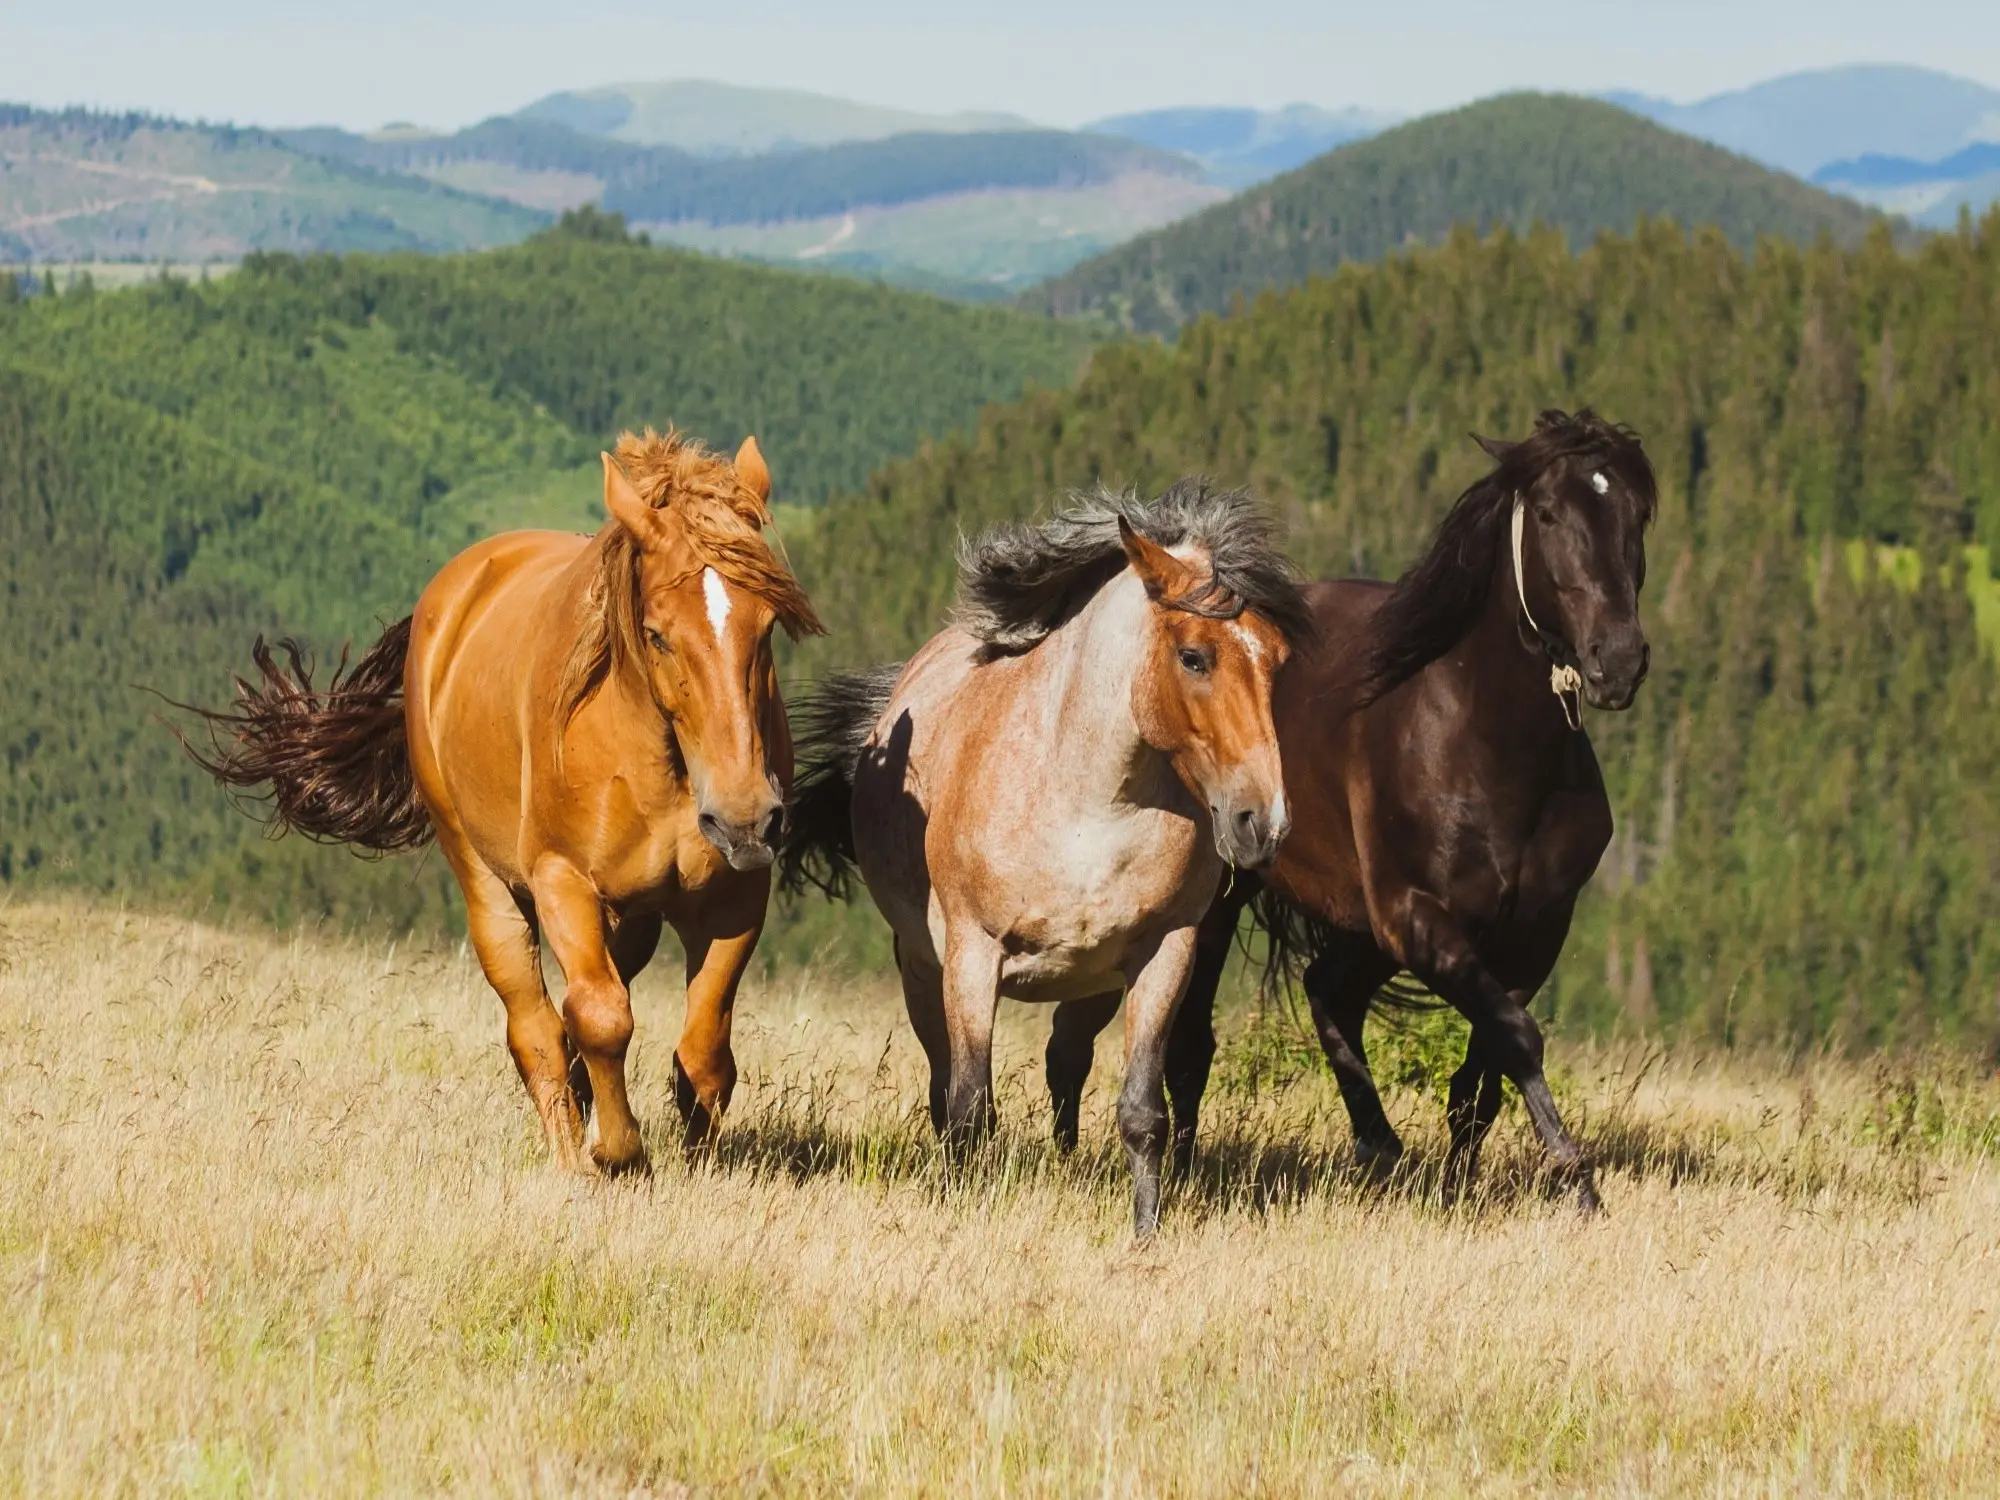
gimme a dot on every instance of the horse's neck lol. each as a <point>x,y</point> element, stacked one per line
<point>1092,663</point>
<point>1506,664</point>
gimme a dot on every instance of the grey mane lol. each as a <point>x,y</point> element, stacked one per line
<point>1019,581</point>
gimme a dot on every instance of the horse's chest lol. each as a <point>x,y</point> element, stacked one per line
<point>645,847</point>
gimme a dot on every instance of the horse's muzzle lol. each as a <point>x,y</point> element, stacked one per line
<point>1613,668</point>
<point>746,846</point>
<point>1248,837</point>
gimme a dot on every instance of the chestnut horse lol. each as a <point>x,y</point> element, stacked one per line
<point>1447,805</point>
<point>1043,801</point>
<point>591,729</point>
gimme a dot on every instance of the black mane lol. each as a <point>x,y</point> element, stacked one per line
<point>1435,603</point>
<point>1019,581</point>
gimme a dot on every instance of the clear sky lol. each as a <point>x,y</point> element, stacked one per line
<point>361,63</point>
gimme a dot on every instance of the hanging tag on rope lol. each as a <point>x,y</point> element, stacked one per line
<point>1567,684</point>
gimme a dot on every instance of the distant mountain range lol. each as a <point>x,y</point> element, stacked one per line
<point>985,205</point>
<point>1239,147</point>
<point>1802,122</point>
<point>1931,193</point>
<point>1578,165</point>
<point>726,119</point>
<point>977,214</point>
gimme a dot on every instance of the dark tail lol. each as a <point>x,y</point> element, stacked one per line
<point>333,765</point>
<point>831,721</point>
<point>1296,938</point>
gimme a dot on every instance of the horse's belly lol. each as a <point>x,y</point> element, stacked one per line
<point>1082,927</point>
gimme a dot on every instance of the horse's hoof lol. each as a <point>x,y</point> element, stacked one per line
<point>1376,1161</point>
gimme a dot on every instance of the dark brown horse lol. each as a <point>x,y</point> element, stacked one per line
<point>1446,805</point>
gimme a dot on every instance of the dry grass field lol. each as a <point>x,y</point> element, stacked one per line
<point>273,1221</point>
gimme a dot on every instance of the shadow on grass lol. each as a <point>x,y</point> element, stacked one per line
<point>1232,1174</point>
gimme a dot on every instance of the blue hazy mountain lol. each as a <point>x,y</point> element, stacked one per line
<point>1804,121</point>
<point>1926,192</point>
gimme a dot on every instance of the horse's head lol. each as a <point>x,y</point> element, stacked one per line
<point>1580,559</point>
<point>705,646</point>
<point>1202,696</point>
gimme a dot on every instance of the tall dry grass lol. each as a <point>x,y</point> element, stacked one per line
<point>273,1220</point>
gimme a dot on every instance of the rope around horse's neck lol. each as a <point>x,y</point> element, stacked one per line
<point>1564,681</point>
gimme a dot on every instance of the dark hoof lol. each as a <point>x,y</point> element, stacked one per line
<point>698,1123</point>
<point>1376,1161</point>
<point>1587,1199</point>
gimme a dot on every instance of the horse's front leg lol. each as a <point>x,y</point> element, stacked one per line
<point>597,1008</point>
<point>1429,942</point>
<point>1152,994</point>
<point>718,941</point>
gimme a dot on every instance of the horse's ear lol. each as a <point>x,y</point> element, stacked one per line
<point>751,469</point>
<point>1497,449</point>
<point>625,506</point>
<point>1164,575</point>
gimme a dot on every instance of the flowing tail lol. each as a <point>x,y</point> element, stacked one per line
<point>332,764</point>
<point>831,723</point>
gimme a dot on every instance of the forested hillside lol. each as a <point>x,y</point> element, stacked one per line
<point>658,184</point>
<point>78,185</point>
<point>295,449</point>
<point>1519,160</point>
<point>1808,792</point>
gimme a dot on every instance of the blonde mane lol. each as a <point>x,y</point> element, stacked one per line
<point>722,520</point>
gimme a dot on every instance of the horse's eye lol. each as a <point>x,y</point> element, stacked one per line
<point>654,639</point>
<point>1194,662</point>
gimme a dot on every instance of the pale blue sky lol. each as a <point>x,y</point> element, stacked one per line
<point>1061,61</point>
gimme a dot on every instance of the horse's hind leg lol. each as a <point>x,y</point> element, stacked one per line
<point>923,998</point>
<point>971,997</point>
<point>1072,1043</point>
<point>504,939</point>
<point>1339,984</point>
<point>1474,1106</point>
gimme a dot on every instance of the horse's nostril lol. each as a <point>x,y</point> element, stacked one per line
<point>774,827</point>
<point>712,829</point>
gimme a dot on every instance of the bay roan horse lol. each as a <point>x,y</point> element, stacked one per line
<point>1043,801</point>
<point>1447,807</point>
<point>591,729</point>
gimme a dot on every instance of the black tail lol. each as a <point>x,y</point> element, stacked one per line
<point>831,722</point>
<point>1296,938</point>
<point>333,765</point>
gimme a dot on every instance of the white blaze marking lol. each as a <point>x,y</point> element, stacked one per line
<point>1599,483</point>
<point>716,592</point>
<point>1250,643</point>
